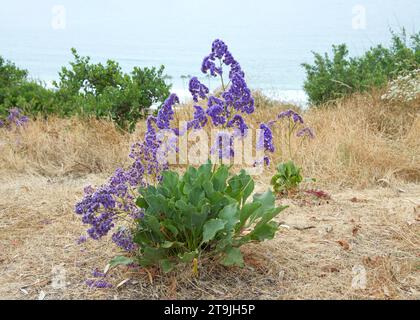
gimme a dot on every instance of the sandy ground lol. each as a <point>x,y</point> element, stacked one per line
<point>357,245</point>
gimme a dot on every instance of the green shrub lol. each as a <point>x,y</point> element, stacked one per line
<point>16,90</point>
<point>287,178</point>
<point>333,78</point>
<point>31,97</point>
<point>205,210</point>
<point>105,91</point>
<point>10,75</point>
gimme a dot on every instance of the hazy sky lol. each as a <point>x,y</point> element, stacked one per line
<point>270,37</point>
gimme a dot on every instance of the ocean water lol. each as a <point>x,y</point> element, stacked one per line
<point>270,38</point>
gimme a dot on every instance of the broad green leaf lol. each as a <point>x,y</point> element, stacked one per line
<point>152,256</point>
<point>170,180</point>
<point>264,232</point>
<point>219,178</point>
<point>269,214</point>
<point>165,192</point>
<point>274,179</point>
<point>167,266</point>
<point>158,203</point>
<point>188,256</point>
<point>208,188</point>
<point>142,236</point>
<point>205,170</point>
<point>120,260</point>
<point>170,226</point>
<point>184,206</point>
<point>240,186</point>
<point>266,200</point>
<point>199,218</point>
<point>141,202</point>
<point>233,257</point>
<point>171,244</point>
<point>247,190</point>
<point>230,214</point>
<point>225,241</point>
<point>195,196</point>
<point>247,211</point>
<point>191,217</point>
<point>153,224</point>
<point>211,228</point>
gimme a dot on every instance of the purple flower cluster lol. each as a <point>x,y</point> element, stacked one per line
<point>102,207</point>
<point>166,113</point>
<point>238,95</point>
<point>200,118</point>
<point>224,110</point>
<point>99,207</point>
<point>239,124</point>
<point>266,138</point>
<point>216,111</point>
<point>124,240</point>
<point>100,284</point>
<point>220,52</point>
<point>98,274</point>
<point>15,118</point>
<point>218,49</point>
<point>306,132</point>
<point>296,117</point>
<point>149,149</point>
<point>197,89</point>
<point>81,239</point>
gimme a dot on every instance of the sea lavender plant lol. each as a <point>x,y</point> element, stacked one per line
<point>197,89</point>
<point>124,240</point>
<point>295,123</point>
<point>239,124</point>
<point>306,132</point>
<point>81,239</point>
<point>14,119</point>
<point>100,284</point>
<point>103,208</point>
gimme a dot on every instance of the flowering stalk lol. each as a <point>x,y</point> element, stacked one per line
<point>294,121</point>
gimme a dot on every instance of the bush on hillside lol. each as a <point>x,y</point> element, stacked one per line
<point>85,89</point>
<point>105,91</point>
<point>336,77</point>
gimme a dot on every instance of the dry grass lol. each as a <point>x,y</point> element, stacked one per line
<point>38,230</point>
<point>362,144</point>
<point>359,142</point>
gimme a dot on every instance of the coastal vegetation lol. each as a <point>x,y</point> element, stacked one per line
<point>332,78</point>
<point>71,177</point>
<point>85,89</point>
